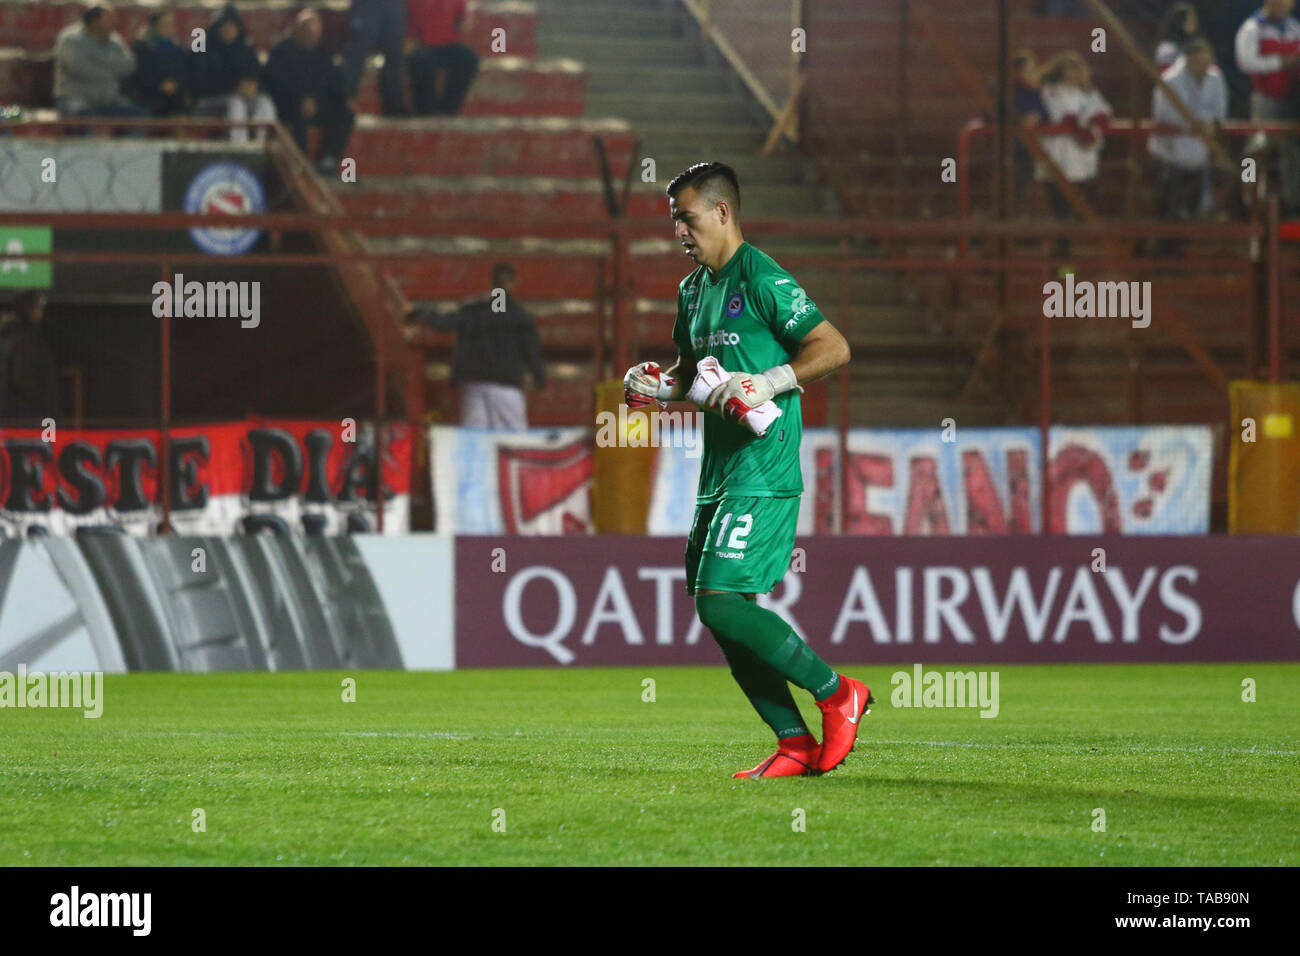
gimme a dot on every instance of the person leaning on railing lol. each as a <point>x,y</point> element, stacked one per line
<point>1070,99</point>
<point>496,342</point>
<point>1184,161</point>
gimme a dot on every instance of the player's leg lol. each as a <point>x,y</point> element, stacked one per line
<point>765,689</point>
<point>748,550</point>
<point>797,752</point>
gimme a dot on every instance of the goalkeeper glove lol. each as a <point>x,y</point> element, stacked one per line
<point>646,384</point>
<point>735,397</point>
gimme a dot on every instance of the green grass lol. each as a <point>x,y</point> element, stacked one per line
<point>589,774</point>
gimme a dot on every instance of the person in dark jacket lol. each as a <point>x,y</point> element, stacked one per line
<point>29,376</point>
<point>1029,112</point>
<point>307,89</point>
<point>377,25</point>
<point>496,341</point>
<point>227,58</point>
<point>162,79</point>
<point>226,76</point>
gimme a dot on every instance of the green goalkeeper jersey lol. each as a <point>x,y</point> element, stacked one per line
<point>751,316</point>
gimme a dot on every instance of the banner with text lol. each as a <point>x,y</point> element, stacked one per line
<point>226,478</point>
<point>968,481</point>
<point>596,601</point>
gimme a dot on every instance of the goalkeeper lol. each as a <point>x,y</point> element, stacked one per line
<point>748,313</point>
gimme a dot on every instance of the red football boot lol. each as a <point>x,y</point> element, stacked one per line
<point>795,757</point>
<point>842,714</point>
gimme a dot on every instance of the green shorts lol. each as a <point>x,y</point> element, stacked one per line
<point>741,544</point>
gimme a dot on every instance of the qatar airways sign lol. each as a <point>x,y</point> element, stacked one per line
<point>609,600</point>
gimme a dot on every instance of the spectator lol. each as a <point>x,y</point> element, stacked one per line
<point>161,82</point>
<point>90,62</point>
<point>307,89</point>
<point>1029,112</point>
<point>250,105</point>
<point>226,77</point>
<point>442,67</point>
<point>496,340</point>
<point>29,378</point>
<point>1070,99</point>
<point>1179,27</point>
<point>1268,50</point>
<point>1184,161</point>
<point>376,25</point>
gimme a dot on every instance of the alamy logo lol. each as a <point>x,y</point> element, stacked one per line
<point>83,690</point>
<point>651,429</point>
<point>720,337</point>
<point>102,909</point>
<point>209,300</point>
<point>1098,300</point>
<point>946,689</point>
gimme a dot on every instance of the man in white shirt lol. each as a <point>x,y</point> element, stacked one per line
<point>1185,159</point>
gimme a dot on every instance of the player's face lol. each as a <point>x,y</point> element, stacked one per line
<point>698,225</point>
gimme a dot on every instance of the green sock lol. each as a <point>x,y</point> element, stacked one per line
<point>769,638</point>
<point>765,688</point>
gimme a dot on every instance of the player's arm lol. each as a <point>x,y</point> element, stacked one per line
<point>796,321</point>
<point>682,374</point>
<point>822,350</point>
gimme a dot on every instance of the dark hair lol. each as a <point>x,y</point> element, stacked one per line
<point>93,13</point>
<point>1197,45</point>
<point>502,273</point>
<point>25,301</point>
<point>1174,25</point>
<point>157,15</point>
<point>1021,57</point>
<point>717,181</point>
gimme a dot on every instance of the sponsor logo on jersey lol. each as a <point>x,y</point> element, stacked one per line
<point>713,339</point>
<point>735,305</point>
<point>729,554</point>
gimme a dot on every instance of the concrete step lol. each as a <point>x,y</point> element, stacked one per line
<point>613,50</point>
<point>718,141</point>
<point>694,108</point>
<point>509,86</point>
<point>455,267</point>
<point>650,80</point>
<point>467,146</point>
<point>559,19</point>
<point>750,168</point>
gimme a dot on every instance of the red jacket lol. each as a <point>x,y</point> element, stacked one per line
<point>1260,45</point>
<point>435,22</point>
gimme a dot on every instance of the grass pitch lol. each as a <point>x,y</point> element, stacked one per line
<point>587,773</point>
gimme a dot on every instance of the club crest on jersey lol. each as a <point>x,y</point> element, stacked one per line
<point>735,305</point>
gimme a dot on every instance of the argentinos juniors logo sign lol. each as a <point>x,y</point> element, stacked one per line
<point>226,189</point>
